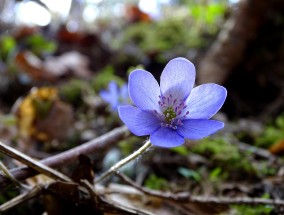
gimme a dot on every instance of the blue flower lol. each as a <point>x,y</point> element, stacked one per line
<point>173,111</point>
<point>115,95</point>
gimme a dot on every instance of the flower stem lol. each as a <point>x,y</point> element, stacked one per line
<point>124,161</point>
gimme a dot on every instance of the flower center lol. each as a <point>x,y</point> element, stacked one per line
<point>169,114</point>
<point>172,111</point>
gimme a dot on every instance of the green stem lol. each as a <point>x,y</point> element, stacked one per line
<point>124,161</point>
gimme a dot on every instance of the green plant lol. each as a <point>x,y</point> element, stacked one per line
<point>189,173</point>
<point>103,78</point>
<point>156,183</point>
<point>182,150</point>
<point>219,149</point>
<point>8,46</point>
<point>72,90</point>
<point>252,210</point>
<point>225,155</point>
<point>272,133</point>
<point>40,45</point>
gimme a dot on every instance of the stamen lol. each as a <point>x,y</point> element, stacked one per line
<point>171,111</point>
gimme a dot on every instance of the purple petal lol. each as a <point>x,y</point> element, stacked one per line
<point>178,78</point>
<point>195,129</point>
<point>124,95</point>
<point>138,122</point>
<point>124,91</point>
<point>144,90</point>
<point>205,101</point>
<point>166,137</point>
<point>113,87</point>
<point>111,96</point>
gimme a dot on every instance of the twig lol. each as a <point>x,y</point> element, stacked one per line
<point>186,197</point>
<point>259,152</point>
<point>21,198</point>
<point>237,201</point>
<point>255,150</point>
<point>13,153</point>
<point>11,177</point>
<point>69,156</point>
<point>124,161</point>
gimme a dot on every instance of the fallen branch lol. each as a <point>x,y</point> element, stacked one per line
<point>185,197</point>
<point>68,156</point>
<point>30,162</point>
<point>6,171</point>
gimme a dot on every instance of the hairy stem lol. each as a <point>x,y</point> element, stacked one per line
<point>123,162</point>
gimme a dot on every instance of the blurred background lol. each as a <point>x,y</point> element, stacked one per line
<point>235,43</point>
<point>56,57</point>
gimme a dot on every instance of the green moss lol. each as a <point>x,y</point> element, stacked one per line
<point>272,133</point>
<point>72,90</point>
<point>225,155</point>
<point>174,35</point>
<point>219,149</point>
<point>252,210</point>
<point>182,150</point>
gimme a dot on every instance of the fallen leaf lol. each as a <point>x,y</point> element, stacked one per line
<point>277,148</point>
<point>72,63</point>
<point>33,66</point>
<point>53,68</point>
<point>84,170</point>
<point>42,116</point>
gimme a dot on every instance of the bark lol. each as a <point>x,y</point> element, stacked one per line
<point>228,49</point>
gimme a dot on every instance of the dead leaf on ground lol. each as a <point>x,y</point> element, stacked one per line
<point>277,148</point>
<point>43,116</point>
<point>66,198</point>
<point>133,198</point>
<point>72,63</point>
<point>53,68</point>
<point>33,66</point>
<point>84,170</point>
